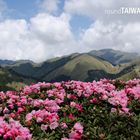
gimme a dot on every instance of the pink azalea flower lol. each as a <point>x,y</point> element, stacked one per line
<point>53,125</point>
<point>63,125</point>
<point>44,127</point>
<point>78,127</point>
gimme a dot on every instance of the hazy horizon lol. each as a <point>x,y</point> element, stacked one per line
<point>65,55</point>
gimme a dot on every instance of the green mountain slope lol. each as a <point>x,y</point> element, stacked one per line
<point>9,79</point>
<point>114,56</point>
<point>134,72</point>
<point>85,67</point>
<point>38,71</point>
<point>78,67</point>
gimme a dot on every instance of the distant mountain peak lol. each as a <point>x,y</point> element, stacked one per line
<point>115,56</point>
<point>6,62</point>
<point>78,66</point>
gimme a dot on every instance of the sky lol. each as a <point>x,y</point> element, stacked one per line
<point>42,29</point>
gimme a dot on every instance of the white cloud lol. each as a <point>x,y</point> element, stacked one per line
<point>51,29</point>
<point>44,37</point>
<point>113,35</point>
<point>96,9</point>
<point>55,34</point>
<point>16,41</point>
<point>107,31</point>
<point>49,6</point>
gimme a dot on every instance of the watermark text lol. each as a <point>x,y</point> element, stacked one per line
<point>123,11</point>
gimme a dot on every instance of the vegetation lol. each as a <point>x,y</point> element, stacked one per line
<point>74,110</point>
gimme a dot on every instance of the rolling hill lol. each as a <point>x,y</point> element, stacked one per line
<point>115,56</point>
<point>134,72</point>
<point>110,64</point>
<point>77,68</point>
<point>9,79</point>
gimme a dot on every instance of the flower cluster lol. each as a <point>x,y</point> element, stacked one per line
<point>13,130</point>
<point>67,108</point>
<point>43,116</point>
<point>76,132</point>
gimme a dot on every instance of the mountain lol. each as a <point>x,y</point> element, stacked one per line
<point>9,79</point>
<point>134,72</point>
<point>6,62</point>
<point>77,68</point>
<point>38,71</point>
<point>115,56</point>
<point>84,67</point>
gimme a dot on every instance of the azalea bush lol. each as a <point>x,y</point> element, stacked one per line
<point>73,110</point>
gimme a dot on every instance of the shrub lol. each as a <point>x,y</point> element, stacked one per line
<point>73,110</point>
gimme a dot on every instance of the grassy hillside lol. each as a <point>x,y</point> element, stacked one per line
<point>134,72</point>
<point>9,80</point>
<point>84,67</point>
<point>38,71</point>
<point>114,56</point>
<point>77,68</point>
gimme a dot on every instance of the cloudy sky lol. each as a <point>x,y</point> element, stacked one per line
<point>42,29</point>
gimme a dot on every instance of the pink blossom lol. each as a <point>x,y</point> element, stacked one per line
<point>29,116</point>
<point>71,116</point>
<point>72,104</point>
<point>78,127</point>
<point>126,110</point>
<point>94,100</point>
<point>14,130</point>
<point>63,125</point>
<point>75,135</point>
<point>44,127</point>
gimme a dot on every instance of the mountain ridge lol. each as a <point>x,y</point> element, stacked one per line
<point>78,66</point>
